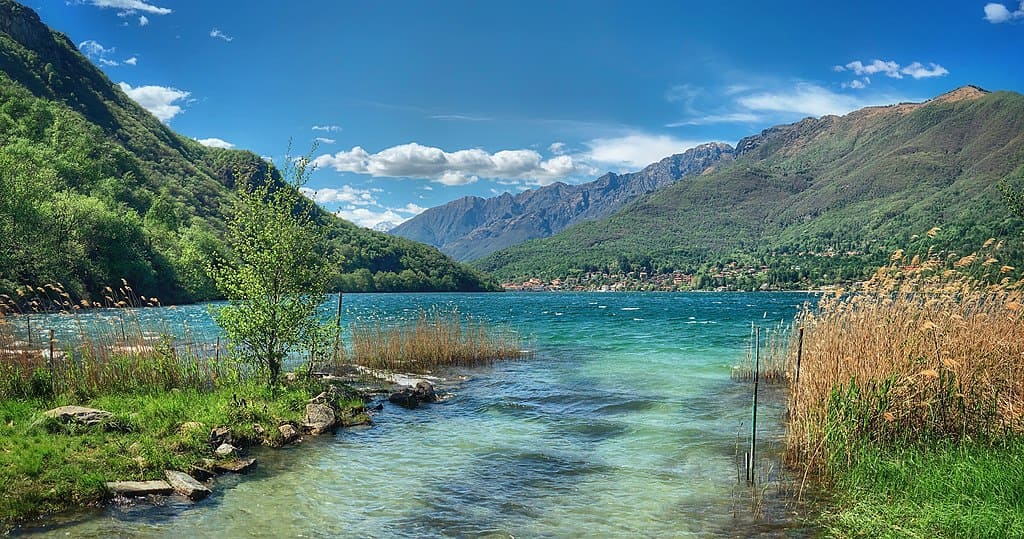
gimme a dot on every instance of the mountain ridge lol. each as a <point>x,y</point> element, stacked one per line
<point>863,183</point>
<point>471,227</point>
<point>95,189</point>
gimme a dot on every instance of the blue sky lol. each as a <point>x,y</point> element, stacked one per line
<point>415,104</point>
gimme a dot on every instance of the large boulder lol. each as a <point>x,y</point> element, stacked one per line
<point>288,432</point>
<point>236,465</point>
<point>411,397</point>
<point>320,418</point>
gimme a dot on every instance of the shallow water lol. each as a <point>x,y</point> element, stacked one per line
<point>626,423</point>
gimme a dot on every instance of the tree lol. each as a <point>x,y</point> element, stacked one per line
<point>279,275</point>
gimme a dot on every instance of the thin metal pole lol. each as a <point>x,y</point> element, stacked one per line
<point>753,410</point>
<point>28,327</point>
<point>337,323</point>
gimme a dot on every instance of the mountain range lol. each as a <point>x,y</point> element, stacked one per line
<point>472,227</point>
<point>820,200</point>
<point>94,189</point>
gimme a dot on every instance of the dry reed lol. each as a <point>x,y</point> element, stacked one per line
<point>931,347</point>
<point>111,351</point>
<point>432,340</point>
<point>774,360</point>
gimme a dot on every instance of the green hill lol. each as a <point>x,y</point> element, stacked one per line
<point>94,189</point>
<point>819,201</point>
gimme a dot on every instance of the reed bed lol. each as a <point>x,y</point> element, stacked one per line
<point>431,340</point>
<point>775,364</point>
<point>931,348</point>
<point>112,351</point>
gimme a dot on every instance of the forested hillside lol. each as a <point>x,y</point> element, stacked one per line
<point>819,201</point>
<point>94,189</point>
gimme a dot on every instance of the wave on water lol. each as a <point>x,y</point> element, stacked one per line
<point>631,308</point>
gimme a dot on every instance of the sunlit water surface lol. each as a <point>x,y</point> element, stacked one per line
<point>624,424</point>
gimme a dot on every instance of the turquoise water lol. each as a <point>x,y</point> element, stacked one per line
<point>624,424</point>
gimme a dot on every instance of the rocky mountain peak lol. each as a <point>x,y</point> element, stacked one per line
<point>962,93</point>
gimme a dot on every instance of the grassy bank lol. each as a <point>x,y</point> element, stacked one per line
<point>46,465</point>
<point>166,394</point>
<point>908,403</point>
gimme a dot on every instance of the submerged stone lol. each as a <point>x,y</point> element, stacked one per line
<point>186,485</point>
<point>236,465</point>
<point>139,488</point>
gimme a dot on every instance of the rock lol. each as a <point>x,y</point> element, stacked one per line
<point>220,435</point>
<point>139,488</point>
<point>236,465</point>
<point>354,416</point>
<point>322,398</point>
<point>288,432</point>
<point>320,418</point>
<point>78,414</point>
<point>259,430</point>
<point>290,377</point>
<point>186,485</point>
<point>411,397</point>
<point>226,450</point>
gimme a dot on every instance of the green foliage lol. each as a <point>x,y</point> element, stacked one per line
<point>94,189</point>
<point>279,276</point>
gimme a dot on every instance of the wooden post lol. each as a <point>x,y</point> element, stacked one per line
<point>28,327</point>
<point>753,409</point>
<point>124,335</point>
<point>216,352</point>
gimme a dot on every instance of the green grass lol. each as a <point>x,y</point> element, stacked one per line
<point>47,466</point>
<point>950,489</point>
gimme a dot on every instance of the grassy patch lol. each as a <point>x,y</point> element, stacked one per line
<point>946,490</point>
<point>47,466</point>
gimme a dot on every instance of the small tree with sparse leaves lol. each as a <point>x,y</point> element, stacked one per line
<point>279,275</point>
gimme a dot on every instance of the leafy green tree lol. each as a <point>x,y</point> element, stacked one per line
<point>279,276</point>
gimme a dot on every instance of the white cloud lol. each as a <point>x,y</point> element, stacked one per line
<point>132,61</point>
<point>215,143</point>
<point>158,100</point>
<point>346,194</point>
<point>888,68</point>
<point>215,32</point>
<point>891,69</point>
<point>325,140</point>
<point>731,117</point>
<point>805,98</point>
<point>557,148</point>
<point>131,5</point>
<point>636,150</point>
<point>453,168</point>
<point>143,20</point>
<point>996,13</point>
<point>329,128</point>
<point>919,71</point>
<point>93,48</point>
<point>857,84</point>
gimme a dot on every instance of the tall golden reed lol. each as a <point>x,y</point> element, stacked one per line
<point>432,340</point>
<point>931,347</point>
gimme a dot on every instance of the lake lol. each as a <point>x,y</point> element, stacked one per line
<point>625,423</point>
